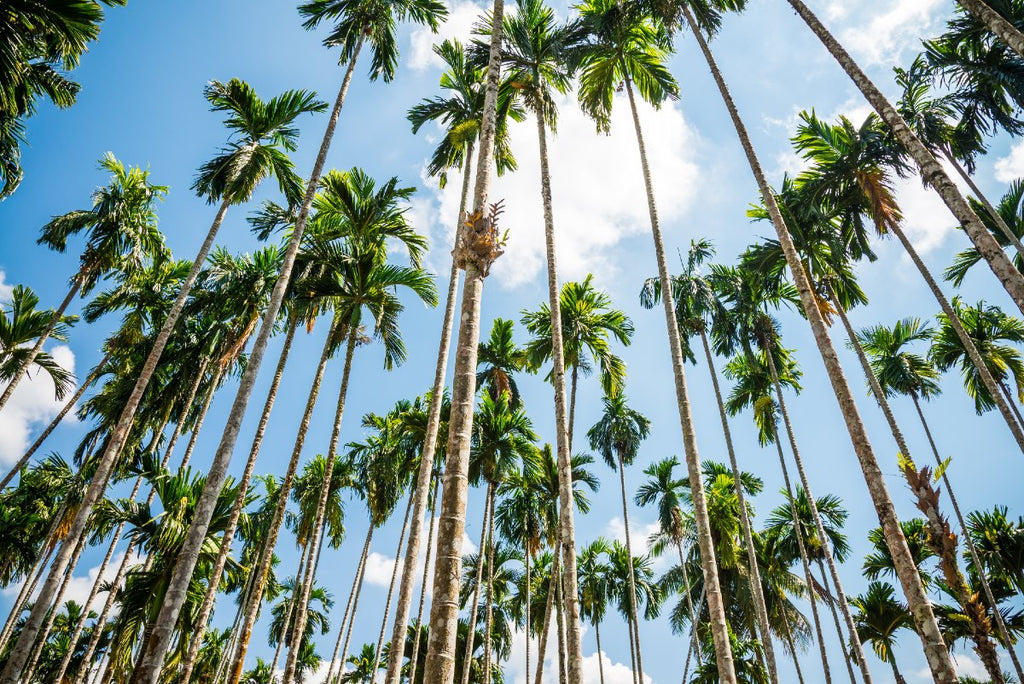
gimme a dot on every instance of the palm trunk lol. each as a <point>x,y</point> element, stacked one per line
<point>931,171</point>
<point>994,22</point>
<point>236,510</point>
<point>115,443</point>
<point>965,533</point>
<point>756,588</point>
<point>391,590</point>
<point>76,285</point>
<point>68,405</point>
<point>572,404</point>
<point>826,547</point>
<point>709,565</point>
<point>635,614</point>
<point>563,423</point>
<point>267,552</point>
<point>548,605</point>
<point>992,211</point>
<point>475,252</point>
<point>348,607</point>
<point>563,674</point>
<point>189,555</point>
<point>895,671</point>
<point>600,658</point>
<point>414,663</point>
<point>939,661</point>
<point>847,660</point>
<point>44,633</point>
<point>973,354</point>
<point>1010,401</point>
<point>185,408</point>
<point>489,612</point>
<point>29,586</point>
<point>319,527</point>
<point>632,652</point>
<point>529,597</point>
<point>198,425</point>
<point>804,560</point>
<point>289,610</point>
<point>427,453</point>
<point>355,606</point>
<point>694,640</point>
<point>467,657</point>
<point>689,602</point>
<point>792,649</point>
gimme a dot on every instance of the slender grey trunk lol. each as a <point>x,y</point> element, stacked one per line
<point>391,591</point>
<point>835,621</point>
<point>348,607</point>
<point>236,511</point>
<point>44,633</point>
<point>992,211</point>
<point>428,451</point>
<point>748,537</point>
<point>76,285</point>
<point>689,602</point>
<point>548,605</point>
<point>319,528</point>
<point>352,620</point>
<point>489,612</point>
<point>1009,34</point>
<point>68,405</point>
<point>105,465</point>
<point>693,641</point>
<point>189,555</point>
<point>709,564</point>
<point>289,610</point>
<point>414,663</point>
<point>635,616</point>
<point>939,660</point>
<point>529,597</point>
<point>267,552</point>
<point>563,674</point>
<point>997,616</point>
<point>792,649</point>
<point>475,251</point>
<point>29,586</point>
<point>600,658</point>
<point>198,425</point>
<point>467,658</point>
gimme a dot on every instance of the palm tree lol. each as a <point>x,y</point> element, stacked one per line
<point>478,244</point>
<point>500,358</point>
<point>938,658</point>
<point>1008,213</point>
<point>461,113</point>
<point>931,171</point>
<point>879,617</point>
<point>594,590</point>
<point>262,130</point>
<point>120,231</point>
<point>20,323</point>
<point>997,22</point>
<point>631,583</point>
<point>617,437</point>
<point>630,47</point>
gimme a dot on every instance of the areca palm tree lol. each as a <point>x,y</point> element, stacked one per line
<point>998,17</point>
<point>258,126</point>
<point>21,323</point>
<point>121,233</point>
<point>630,47</point>
<point>594,590</point>
<point>879,617</point>
<point>938,658</point>
<point>1009,213</point>
<point>501,358</point>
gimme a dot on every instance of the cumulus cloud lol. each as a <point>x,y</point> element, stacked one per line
<point>6,289</point>
<point>926,220</point>
<point>597,186</point>
<point>462,16</point>
<point>889,29</point>
<point>380,566</point>
<point>1008,168</point>
<point>514,669</point>
<point>640,533</point>
<point>80,586</point>
<point>32,405</point>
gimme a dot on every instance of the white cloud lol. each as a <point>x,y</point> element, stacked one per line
<point>614,672</point>
<point>462,16</point>
<point>1010,167</point>
<point>598,190</point>
<point>5,289</point>
<point>888,33</point>
<point>379,566</point>
<point>926,220</point>
<point>966,666</point>
<point>31,405</point>
<point>79,586</point>
<point>640,535</point>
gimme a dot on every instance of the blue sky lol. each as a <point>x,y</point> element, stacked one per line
<point>142,99</point>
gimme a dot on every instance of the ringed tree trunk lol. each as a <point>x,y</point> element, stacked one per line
<point>709,565</point>
<point>391,589</point>
<point>847,660</point>
<point>355,607</point>
<point>826,547</point>
<point>475,251</point>
<point>973,354</point>
<point>319,527</point>
<point>236,511</point>
<point>76,285</point>
<point>635,617</point>
<point>549,602</point>
<point>70,404</point>
<point>427,453</point>
<point>1003,29</point>
<point>992,211</point>
<point>695,643</point>
<point>189,555</point>
<point>563,430</point>
<point>792,650</point>
<point>304,560</point>
<point>489,612</point>
<point>348,607</point>
<point>693,640</point>
<point>940,662</point>
<point>931,171</point>
<point>965,532</point>
<point>414,663</point>
<point>600,658</point>
<point>108,459</point>
<point>467,658</point>
<point>267,552</point>
<point>756,588</point>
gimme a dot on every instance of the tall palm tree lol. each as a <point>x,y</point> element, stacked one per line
<point>879,617</point>
<point>938,658</point>
<point>263,132</point>
<point>594,590</point>
<point>120,233</point>
<point>21,323</point>
<point>1009,213</point>
<point>630,47</point>
<point>478,244</point>
<point>500,359</point>
<point>998,18</point>
<point>461,113</point>
<point>617,437</point>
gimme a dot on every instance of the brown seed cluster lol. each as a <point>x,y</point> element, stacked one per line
<point>480,244</point>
